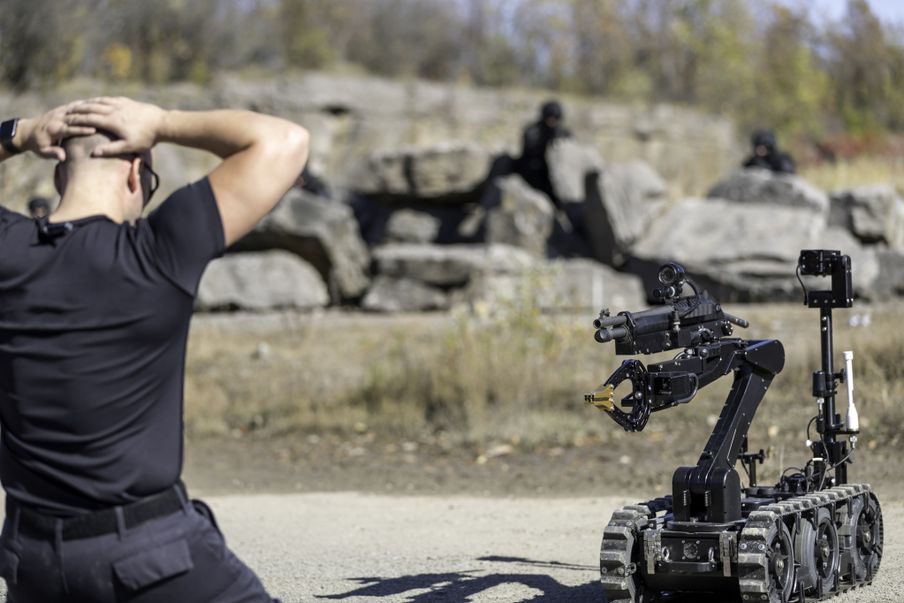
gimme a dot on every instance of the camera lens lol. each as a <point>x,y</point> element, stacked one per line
<point>667,275</point>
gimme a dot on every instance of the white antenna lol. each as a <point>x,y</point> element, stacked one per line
<point>853,420</point>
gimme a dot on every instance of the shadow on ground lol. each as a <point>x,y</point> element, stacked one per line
<point>467,586</point>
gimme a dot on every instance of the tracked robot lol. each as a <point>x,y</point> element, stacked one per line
<point>808,537</point>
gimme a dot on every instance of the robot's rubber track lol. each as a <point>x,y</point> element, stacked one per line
<point>623,551</point>
<point>620,554</point>
<point>755,572</point>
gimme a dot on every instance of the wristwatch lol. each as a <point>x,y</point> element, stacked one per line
<point>7,133</point>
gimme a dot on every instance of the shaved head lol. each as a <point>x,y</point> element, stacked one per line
<point>79,149</point>
<point>81,163</point>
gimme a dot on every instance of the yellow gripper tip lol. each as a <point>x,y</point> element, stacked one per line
<point>603,398</point>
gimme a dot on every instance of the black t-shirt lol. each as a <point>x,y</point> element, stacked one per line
<point>93,329</point>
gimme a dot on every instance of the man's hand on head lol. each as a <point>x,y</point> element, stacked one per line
<point>136,125</point>
<point>43,134</point>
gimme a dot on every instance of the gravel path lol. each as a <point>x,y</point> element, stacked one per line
<point>385,549</point>
<point>350,547</point>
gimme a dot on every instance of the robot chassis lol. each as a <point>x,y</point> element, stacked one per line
<point>809,537</point>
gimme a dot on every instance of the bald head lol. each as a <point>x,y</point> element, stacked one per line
<point>123,173</point>
<point>79,149</point>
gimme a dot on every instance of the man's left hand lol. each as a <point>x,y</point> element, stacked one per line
<point>42,135</point>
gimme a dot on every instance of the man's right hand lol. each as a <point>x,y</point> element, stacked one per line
<point>137,125</point>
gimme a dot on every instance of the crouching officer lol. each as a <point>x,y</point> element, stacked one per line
<point>535,142</point>
<point>95,303</point>
<point>766,154</point>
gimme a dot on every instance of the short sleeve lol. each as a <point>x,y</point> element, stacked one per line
<point>188,233</point>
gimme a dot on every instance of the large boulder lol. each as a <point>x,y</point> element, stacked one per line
<point>415,277</point>
<point>890,281</point>
<point>389,294</point>
<point>518,215</point>
<point>442,173</point>
<point>578,284</point>
<point>261,281</point>
<point>865,264</point>
<point>411,226</point>
<point>448,266</point>
<point>383,221</point>
<point>740,252</point>
<point>324,233</point>
<point>621,203</point>
<point>350,115</point>
<point>874,214</point>
<point>754,185</point>
<point>569,163</point>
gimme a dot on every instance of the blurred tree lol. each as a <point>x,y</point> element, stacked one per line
<point>489,56</point>
<point>603,48</point>
<point>40,40</point>
<point>410,38</point>
<point>544,45</point>
<point>305,39</point>
<point>726,48</point>
<point>761,63</point>
<point>865,71</point>
<point>118,61</point>
<point>791,88</point>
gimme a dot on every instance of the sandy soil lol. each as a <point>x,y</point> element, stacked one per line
<point>353,547</point>
<point>413,530</point>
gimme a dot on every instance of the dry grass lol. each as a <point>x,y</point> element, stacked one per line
<point>859,171</point>
<point>512,376</point>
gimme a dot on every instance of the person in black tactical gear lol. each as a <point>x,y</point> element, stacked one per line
<point>96,302</point>
<point>766,154</point>
<point>532,165</point>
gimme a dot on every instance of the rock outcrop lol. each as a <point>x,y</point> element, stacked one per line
<point>449,265</point>
<point>518,215</point>
<point>321,231</point>
<point>569,163</point>
<point>411,226</point>
<point>562,285</point>
<point>873,214</point>
<point>429,277</point>
<point>353,116</point>
<point>754,185</point>
<point>622,203</point>
<point>261,281</point>
<point>388,294</point>
<point>450,173</point>
<point>746,252</point>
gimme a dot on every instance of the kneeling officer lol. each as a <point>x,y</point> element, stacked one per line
<point>95,304</point>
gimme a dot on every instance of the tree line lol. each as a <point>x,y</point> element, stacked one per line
<point>761,63</point>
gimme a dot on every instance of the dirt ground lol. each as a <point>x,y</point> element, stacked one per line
<point>364,463</point>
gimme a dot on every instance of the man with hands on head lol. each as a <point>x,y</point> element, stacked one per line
<point>95,303</point>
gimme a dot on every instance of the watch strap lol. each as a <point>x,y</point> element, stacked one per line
<point>7,133</point>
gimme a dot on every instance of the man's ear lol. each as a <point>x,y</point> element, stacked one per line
<point>134,174</point>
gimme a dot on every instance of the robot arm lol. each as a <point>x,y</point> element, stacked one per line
<point>696,323</point>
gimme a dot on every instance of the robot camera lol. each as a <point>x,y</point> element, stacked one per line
<point>817,262</point>
<point>672,274</point>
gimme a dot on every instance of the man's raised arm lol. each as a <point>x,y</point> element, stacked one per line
<point>40,135</point>
<point>262,155</point>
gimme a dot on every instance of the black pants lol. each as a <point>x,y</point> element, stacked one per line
<point>180,557</point>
